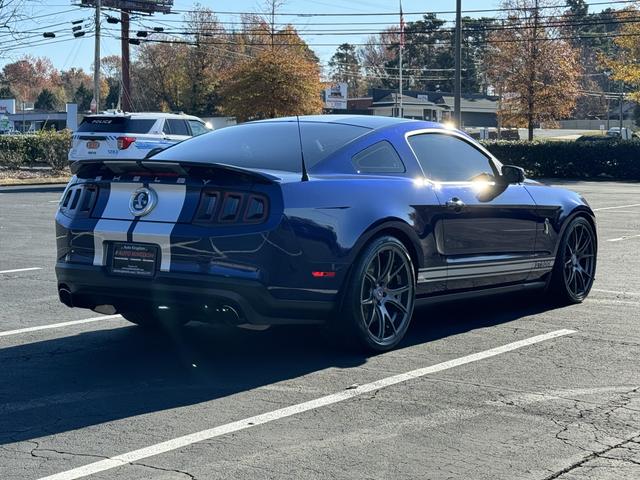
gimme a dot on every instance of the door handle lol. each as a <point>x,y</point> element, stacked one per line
<point>455,204</point>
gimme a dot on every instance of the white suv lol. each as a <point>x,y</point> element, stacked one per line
<point>131,135</point>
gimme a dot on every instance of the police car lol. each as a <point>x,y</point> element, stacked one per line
<point>131,135</point>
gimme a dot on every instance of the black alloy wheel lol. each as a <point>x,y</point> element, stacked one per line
<point>380,295</point>
<point>575,266</point>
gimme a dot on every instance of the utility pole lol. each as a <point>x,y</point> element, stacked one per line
<point>401,113</point>
<point>125,90</point>
<point>621,105</point>
<point>457,83</point>
<point>96,61</point>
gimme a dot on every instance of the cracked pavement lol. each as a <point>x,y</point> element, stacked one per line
<point>564,409</point>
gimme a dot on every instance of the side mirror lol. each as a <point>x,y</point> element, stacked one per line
<point>512,174</point>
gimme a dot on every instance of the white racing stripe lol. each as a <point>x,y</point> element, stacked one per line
<point>155,228</point>
<point>484,269</point>
<point>16,270</point>
<point>285,412</point>
<point>107,231</point>
<point>8,333</point>
<point>619,206</point>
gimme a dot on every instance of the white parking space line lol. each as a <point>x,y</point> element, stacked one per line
<point>285,412</point>
<point>619,206</point>
<point>616,292</point>
<point>626,237</point>
<point>16,270</point>
<point>57,325</point>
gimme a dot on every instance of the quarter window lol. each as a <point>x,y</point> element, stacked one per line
<point>197,128</point>
<point>175,127</point>
<point>446,158</point>
<point>378,158</point>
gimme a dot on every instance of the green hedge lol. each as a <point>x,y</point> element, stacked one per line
<point>598,159</point>
<point>586,159</point>
<point>44,148</point>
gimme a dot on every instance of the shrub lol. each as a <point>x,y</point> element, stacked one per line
<point>597,159</point>
<point>44,148</point>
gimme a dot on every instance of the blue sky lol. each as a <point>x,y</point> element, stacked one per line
<point>79,52</point>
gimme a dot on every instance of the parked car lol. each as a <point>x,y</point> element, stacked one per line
<point>131,135</point>
<point>345,220</point>
<point>621,134</point>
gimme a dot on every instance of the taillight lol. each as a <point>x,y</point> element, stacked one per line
<point>79,200</point>
<point>231,207</point>
<point>125,142</point>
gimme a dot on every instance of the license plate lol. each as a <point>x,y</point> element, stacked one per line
<point>134,259</point>
<point>93,145</point>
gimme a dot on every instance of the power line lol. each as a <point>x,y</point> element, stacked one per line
<point>395,13</point>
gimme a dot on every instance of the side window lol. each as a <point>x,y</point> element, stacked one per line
<point>378,158</point>
<point>445,158</point>
<point>197,128</point>
<point>176,127</point>
<point>166,129</point>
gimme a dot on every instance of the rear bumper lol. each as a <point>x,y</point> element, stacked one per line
<point>200,296</point>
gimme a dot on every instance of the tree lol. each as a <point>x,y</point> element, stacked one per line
<point>428,55</point>
<point>183,74</point>
<point>625,65</point>
<point>159,76</point>
<point>536,72</point>
<point>427,47</point>
<point>5,92</point>
<point>375,54</point>
<point>10,11</point>
<point>111,67</point>
<point>71,80</point>
<point>203,62</point>
<point>600,28</point>
<point>476,33</point>
<point>345,67</point>
<point>46,100</point>
<point>83,97</point>
<point>275,83</point>
<point>29,75</point>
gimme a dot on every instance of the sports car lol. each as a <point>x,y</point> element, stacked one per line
<point>348,221</point>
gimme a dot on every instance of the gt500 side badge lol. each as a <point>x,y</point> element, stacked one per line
<point>142,201</point>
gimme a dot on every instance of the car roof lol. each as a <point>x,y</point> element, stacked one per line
<point>368,121</point>
<point>154,115</point>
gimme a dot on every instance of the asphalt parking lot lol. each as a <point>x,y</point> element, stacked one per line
<point>503,388</point>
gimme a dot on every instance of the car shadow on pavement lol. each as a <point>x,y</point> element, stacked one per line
<point>72,382</point>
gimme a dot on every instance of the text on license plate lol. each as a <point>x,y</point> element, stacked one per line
<point>93,145</point>
<point>134,259</point>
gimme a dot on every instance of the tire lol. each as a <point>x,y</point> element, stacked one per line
<point>575,266</point>
<point>379,297</point>
<point>154,320</point>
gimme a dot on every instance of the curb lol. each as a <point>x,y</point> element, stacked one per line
<point>37,187</point>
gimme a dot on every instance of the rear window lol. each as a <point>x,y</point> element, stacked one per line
<point>265,145</point>
<point>116,125</point>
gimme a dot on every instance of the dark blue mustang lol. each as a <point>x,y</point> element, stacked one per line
<point>230,226</point>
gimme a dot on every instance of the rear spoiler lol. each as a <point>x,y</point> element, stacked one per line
<point>158,166</point>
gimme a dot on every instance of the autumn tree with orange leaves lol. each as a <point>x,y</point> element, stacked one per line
<point>625,67</point>
<point>278,76</point>
<point>274,83</point>
<point>535,71</point>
